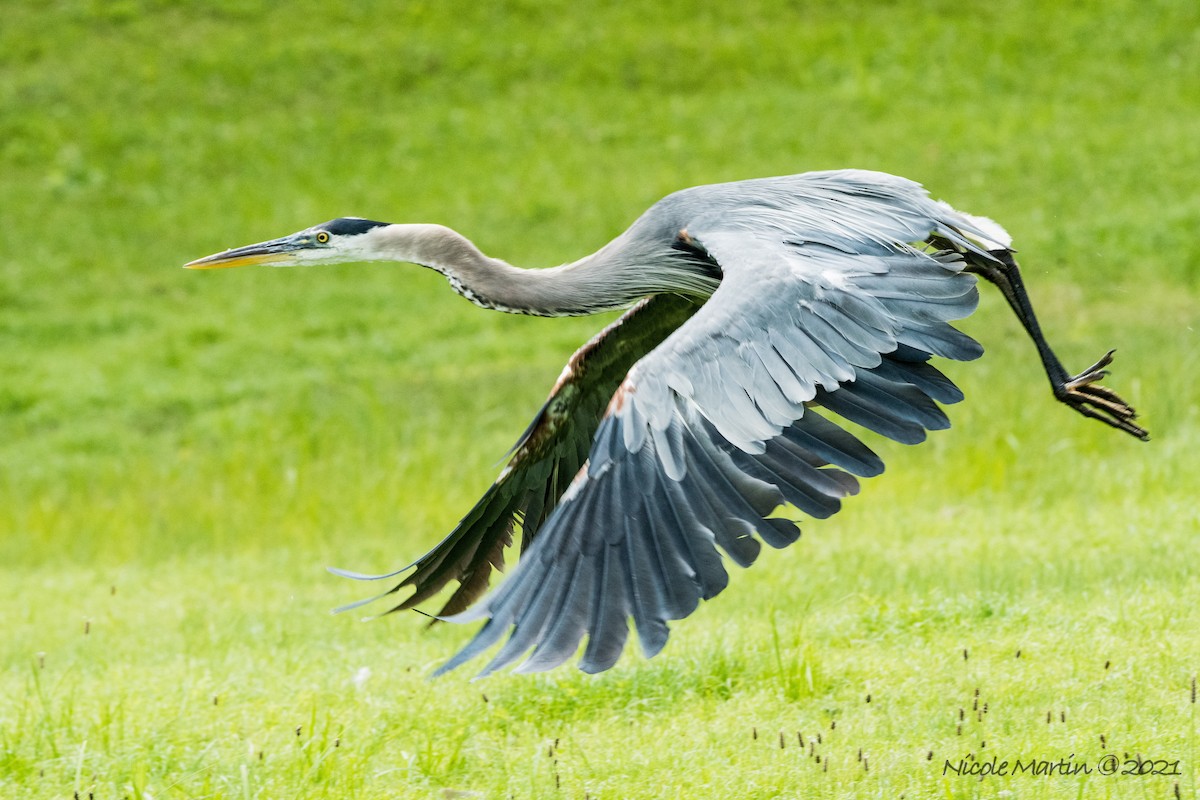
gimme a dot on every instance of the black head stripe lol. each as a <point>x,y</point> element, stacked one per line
<point>349,226</point>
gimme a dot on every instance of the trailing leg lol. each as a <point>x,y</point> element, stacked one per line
<point>1081,392</point>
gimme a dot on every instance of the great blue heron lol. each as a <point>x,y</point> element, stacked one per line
<point>683,425</point>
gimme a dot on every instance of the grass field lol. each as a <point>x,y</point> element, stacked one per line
<point>181,454</point>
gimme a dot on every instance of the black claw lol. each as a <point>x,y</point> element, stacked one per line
<point>1084,394</point>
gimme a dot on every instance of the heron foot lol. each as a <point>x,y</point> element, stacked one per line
<point>1085,394</point>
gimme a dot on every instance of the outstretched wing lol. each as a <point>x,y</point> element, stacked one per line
<point>543,463</point>
<point>832,299</point>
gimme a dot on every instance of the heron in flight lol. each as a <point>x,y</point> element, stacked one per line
<point>756,313</point>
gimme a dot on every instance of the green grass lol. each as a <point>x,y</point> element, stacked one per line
<point>182,454</point>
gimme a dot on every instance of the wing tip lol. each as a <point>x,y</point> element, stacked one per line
<point>363,576</point>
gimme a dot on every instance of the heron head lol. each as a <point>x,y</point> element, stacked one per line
<point>342,239</point>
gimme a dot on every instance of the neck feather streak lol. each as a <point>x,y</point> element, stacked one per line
<point>612,278</point>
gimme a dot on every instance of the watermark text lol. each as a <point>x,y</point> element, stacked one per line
<point>1108,764</point>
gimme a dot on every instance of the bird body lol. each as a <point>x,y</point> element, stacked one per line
<point>755,309</point>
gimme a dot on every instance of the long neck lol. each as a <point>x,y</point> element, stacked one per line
<point>611,278</point>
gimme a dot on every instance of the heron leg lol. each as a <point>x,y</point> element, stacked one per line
<point>1081,392</point>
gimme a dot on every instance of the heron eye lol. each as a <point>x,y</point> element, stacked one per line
<point>322,237</point>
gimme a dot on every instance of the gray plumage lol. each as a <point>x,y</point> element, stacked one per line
<point>755,309</point>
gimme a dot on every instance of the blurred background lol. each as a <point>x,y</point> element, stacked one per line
<point>149,411</point>
<point>215,439</point>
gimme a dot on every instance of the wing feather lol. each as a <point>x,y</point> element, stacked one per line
<point>608,628</point>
